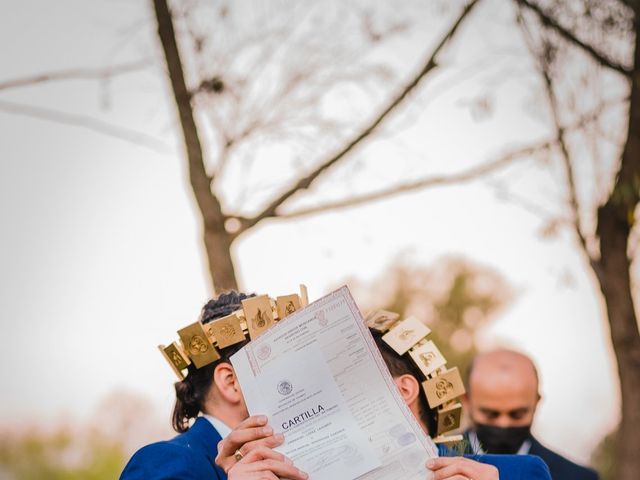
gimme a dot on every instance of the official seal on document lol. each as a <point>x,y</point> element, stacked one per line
<point>264,352</point>
<point>285,387</point>
<point>322,318</point>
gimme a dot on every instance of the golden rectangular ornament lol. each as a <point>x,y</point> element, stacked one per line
<point>304,295</point>
<point>443,388</point>
<point>428,358</point>
<point>197,345</point>
<point>226,330</point>
<point>258,314</point>
<point>449,417</point>
<point>381,320</point>
<point>287,304</point>
<point>448,441</point>
<point>175,357</point>
<point>406,334</point>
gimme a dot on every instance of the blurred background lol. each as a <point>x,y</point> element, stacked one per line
<point>467,162</point>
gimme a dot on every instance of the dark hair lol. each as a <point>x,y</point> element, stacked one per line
<point>192,391</point>
<point>404,365</point>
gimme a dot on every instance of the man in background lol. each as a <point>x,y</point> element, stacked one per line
<point>502,396</point>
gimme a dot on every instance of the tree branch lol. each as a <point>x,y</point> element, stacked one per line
<point>432,181</point>
<point>216,239</point>
<point>574,203</point>
<point>116,131</point>
<point>305,182</point>
<point>436,181</point>
<point>200,180</point>
<point>76,74</point>
<point>550,22</point>
<point>502,192</point>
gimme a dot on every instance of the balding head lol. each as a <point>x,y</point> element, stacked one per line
<point>502,389</point>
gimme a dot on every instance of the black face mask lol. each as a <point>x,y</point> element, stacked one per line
<point>504,440</point>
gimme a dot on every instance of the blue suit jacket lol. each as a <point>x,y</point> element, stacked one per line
<point>516,467</point>
<point>189,456</point>
<point>511,467</point>
<point>560,467</point>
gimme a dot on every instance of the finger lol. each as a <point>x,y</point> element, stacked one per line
<point>271,441</point>
<point>282,469</point>
<point>265,468</point>
<point>254,421</point>
<point>238,437</point>
<point>266,475</point>
<point>442,475</point>
<point>246,472</point>
<point>460,468</point>
<point>228,447</point>
<point>264,453</point>
<point>439,462</point>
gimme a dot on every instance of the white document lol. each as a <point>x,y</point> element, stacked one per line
<point>319,378</point>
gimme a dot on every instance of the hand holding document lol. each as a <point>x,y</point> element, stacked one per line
<point>320,379</point>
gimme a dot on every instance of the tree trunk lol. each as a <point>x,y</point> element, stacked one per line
<point>615,222</point>
<point>615,283</point>
<point>216,239</point>
<point>218,245</point>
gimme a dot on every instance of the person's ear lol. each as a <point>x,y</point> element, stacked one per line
<point>226,382</point>
<point>535,405</point>
<point>464,399</point>
<point>409,388</point>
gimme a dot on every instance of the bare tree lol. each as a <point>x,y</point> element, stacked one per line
<point>222,228</point>
<point>607,33</point>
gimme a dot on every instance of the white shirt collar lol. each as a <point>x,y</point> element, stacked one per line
<point>222,428</point>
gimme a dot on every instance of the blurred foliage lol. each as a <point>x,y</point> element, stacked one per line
<point>603,457</point>
<point>60,455</point>
<point>454,296</point>
<point>97,449</point>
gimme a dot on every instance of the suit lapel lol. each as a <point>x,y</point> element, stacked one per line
<point>204,438</point>
<point>536,448</point>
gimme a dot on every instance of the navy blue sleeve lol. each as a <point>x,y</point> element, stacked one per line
<point>516,467</point>
<point>165,461</point>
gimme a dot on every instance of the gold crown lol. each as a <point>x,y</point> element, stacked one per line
<point>443,385</point>
<point>199,343</point>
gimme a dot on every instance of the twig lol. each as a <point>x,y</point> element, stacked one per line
<point>574,203</point>
<point>305,182</point>
<point>431,181</point>
<point>76,74</point>
<point>90,123</point>
<point>599,57</point>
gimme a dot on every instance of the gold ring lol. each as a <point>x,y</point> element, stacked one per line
<point>238,455</point>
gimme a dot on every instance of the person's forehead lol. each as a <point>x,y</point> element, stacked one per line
<point>503,378</point>
<point>503,396</point>
<point>504,364</point>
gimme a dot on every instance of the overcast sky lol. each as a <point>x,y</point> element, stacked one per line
<point>100,255</point>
